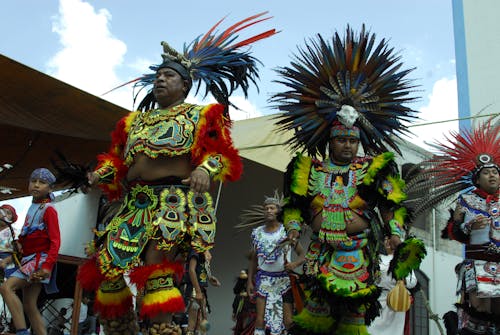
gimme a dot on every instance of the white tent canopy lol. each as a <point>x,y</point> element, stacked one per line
<point>258,139</point>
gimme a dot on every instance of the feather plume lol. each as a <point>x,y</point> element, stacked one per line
<point>215,60</point>
<point>70,174</point>
<point>354,71</point>
<point>256,215</point>
<point>451,170</point>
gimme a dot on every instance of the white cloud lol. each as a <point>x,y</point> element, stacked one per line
<point>90,54</point>
<point>443,106</point>
<point>246,109</point>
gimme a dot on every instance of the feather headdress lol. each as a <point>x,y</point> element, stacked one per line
<point>214,59</point>
<point>453,169</point>
<point>352,80</point>
<point>256,214</point>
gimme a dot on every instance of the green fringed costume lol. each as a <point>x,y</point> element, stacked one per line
<point>343,267</point>
<point>341,93</point>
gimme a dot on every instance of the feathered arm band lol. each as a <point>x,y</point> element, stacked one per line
<point>213,149</point>
<point>111,167</point>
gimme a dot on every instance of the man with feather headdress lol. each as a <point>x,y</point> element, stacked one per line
<point>469,164</point>
<point>342,94</point>
<point>160,164</point>
<point>268,272</point>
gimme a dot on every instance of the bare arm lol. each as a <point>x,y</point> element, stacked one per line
<point>252,270</point>
<point>300,259</point>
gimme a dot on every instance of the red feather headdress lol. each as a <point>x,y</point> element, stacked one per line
<point>465,155</point>
<point>454,168</point>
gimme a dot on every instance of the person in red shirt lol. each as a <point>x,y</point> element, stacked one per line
<point>39,241</point>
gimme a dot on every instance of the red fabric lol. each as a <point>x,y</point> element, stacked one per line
<point>213,137</point>
<point>89,275</point>
<point>48,241</point>
<point>139,275</point>
<point>112,311</point>
<point>52,222</point>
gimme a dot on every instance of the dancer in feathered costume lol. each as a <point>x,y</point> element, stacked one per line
<point>342,93</point>
<point>468,164</point>
<point>269,267</point>
<point>161,163</point>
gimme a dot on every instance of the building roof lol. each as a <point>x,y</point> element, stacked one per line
<point>40,114</point>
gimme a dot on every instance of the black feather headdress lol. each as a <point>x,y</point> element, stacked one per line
<point>354,75</point>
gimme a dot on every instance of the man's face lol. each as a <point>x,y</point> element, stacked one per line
<point>343,149</point>
<point>169,87</point>
<point>488,180</point>
<point>271,212</point>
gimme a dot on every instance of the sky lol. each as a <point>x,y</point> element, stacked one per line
<point>98,45</point>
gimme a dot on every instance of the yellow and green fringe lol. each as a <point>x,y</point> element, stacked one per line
<point>377,164</point>
<point>407,257</point>
<point>314,317</point>
<point>396,194</point>
<point>299,183</point>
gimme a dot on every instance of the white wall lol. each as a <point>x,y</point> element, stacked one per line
<point>77,217</point>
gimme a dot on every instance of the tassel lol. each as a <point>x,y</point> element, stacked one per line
<point>312,322</point>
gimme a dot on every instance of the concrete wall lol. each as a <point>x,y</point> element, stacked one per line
<point>477,51</point>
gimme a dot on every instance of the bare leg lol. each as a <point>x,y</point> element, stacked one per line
<point>30,296</point>
<point>193,312</point>
<point>260,306</point>
<point>287,315</point>
<point>8,291</point>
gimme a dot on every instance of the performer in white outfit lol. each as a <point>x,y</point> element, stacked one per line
<point>389,321</point>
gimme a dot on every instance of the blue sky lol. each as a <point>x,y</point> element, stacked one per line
<point>97,45</point>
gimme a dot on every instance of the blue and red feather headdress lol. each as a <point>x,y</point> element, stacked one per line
<point>213,59</point>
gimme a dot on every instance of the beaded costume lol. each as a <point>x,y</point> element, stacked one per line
<point>166,210</point>
<point>272,281</point>
<point>456,169</point>
<point>344,88</point>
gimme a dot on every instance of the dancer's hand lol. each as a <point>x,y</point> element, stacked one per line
<point>394,241</point>
<point>250,289</point>
<point>480,222</point>
<point>92,179</point>
<point>39,275</point>
<point>198,181</point>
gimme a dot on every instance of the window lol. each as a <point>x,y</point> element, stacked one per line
<point>419,319</point>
